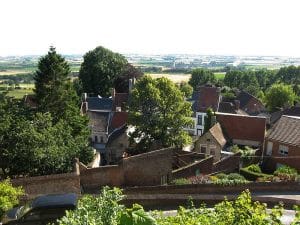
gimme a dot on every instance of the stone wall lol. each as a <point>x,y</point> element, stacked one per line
<point>50,184</point>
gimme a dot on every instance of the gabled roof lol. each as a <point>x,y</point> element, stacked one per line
<point>206,97</point>
<point>286,130</point>
<point>242,127</point>
<point>292,111</point>
<point>217,133</point>
<point>99,104</point>
<point>244,98</point>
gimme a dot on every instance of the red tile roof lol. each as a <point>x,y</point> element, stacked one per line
<point>286,130</point>
<point>209,97</point>
<point>243,127</point>
<point>119,119</point>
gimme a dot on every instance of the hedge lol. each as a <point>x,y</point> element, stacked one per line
<point>249,175</point>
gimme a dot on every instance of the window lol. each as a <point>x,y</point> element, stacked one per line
<point>213,150</point>
<point>199,132</point>
<point>203,149</point>
<point>101,139</point>
<point>283,150</point>
<point>208,140</point>
<point>269,148</point>
<point>199,119</point>
<point>96,139</point>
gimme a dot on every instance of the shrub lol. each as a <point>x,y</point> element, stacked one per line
<point>181,181</point>
<point>221,175</point>
<point>253,176</point>
<point>230,180</point>
<point>286,173</point>
<point>254,168</point>
<point>9,196</point>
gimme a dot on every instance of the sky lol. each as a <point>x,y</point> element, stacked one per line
<point>213,27</point>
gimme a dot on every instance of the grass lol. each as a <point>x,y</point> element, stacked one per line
<point>19,93</point>
<point>220,75</point>
<point>181,77</point>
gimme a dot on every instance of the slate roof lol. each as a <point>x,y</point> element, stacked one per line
<point>242,127</point>
<point>217,133</point>
<point>286,130</point>
<point>227,107</point>
<point>292,111</point>
<point>244,98</point>
<point>98,103</point>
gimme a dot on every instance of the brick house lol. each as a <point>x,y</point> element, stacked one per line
<point>206,97</point>
<point>282,144</point>
<point>212,142</point>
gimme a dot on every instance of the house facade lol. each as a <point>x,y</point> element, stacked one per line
<point>206,97</point>
<point>212,142</point>
<point>107,123</point>
<point>282,146</point>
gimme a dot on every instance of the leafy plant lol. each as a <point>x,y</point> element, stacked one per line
<point>101,210</point>
<point>9,196</point>
<point>254,168</point>
<point>286,173</point>
<point>136,216</point>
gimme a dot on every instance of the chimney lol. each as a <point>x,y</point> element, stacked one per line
<point>237,104</point>
<point>84,97</point>
<point>113,93</point>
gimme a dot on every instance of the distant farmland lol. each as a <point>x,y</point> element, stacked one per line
<point>178,78</point>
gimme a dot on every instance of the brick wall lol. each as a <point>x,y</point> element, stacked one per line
<point>292,159</point>
<point>228,164</point>
<point>148,168</point>
<point>204,166</point>
<point>50,184</point>
<point>94,178</point>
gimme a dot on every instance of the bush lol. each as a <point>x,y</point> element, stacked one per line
<point>230,179</point>
<point>254,168</point>
<point>221,175</point>
<point>286,173</point>
<point>9,196</point>
<point>181,181</point>
<point>253,176</point>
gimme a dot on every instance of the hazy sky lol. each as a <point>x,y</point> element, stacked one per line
<point>239,27</point>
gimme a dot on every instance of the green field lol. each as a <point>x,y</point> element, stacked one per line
<point>182,77</point>
<point>19,93</point>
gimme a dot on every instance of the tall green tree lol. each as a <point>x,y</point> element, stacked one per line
<point>99,70</point>
<point>279,95</point>
<point>209,119</point>
<point>201,77</point>
<point>159,113</point>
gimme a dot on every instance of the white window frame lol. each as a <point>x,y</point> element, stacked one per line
<point>283,150</point>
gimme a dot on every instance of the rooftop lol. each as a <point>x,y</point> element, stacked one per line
<point>286,130</point>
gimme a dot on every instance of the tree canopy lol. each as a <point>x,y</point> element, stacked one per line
<point>99,70</point>
<point>279,95</point>
<point>159,113</point>
<point>201,77</point>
